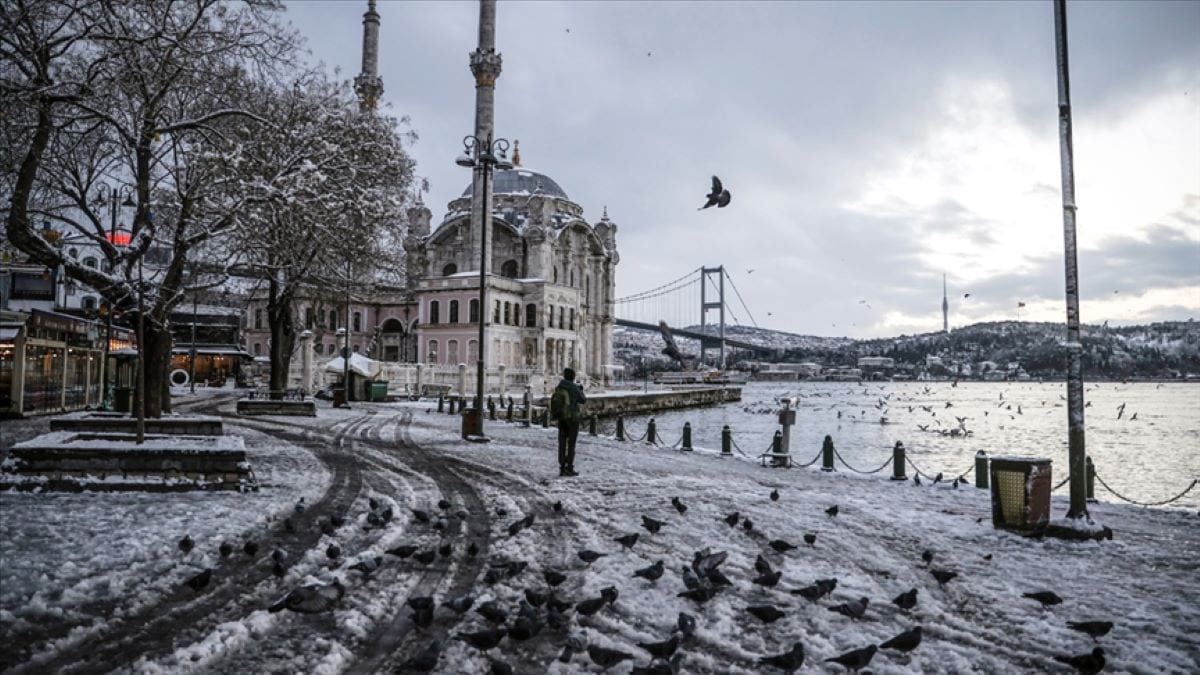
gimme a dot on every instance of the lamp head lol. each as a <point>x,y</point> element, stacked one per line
<point>465,161</point>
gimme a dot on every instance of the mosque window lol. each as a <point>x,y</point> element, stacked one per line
<point>496,312</point>
<point>572,324</point>
<point>433,311</point>
<point>531,315</point>
<point>453,311</point>
<point>555,274</point>
<point>473,311</point>
<point>357,321</point>
<point>333,318</point>
<point>509,269</point>
<point>507,313</point>
<point>449,270</point>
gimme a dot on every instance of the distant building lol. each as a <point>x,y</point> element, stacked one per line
<point>877,362</point>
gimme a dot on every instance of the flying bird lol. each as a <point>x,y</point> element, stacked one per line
<point>718,197</point>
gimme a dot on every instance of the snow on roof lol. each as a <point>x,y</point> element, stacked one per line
<point>358,364</point>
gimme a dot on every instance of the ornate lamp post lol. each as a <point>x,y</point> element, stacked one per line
<point>483,156</point>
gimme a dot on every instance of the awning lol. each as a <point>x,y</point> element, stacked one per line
<point>7,333</point>
<point>358,364</point>
<point>213,351</point>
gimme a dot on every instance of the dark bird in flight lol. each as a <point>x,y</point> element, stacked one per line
<point>607,658</point>
<point>484,640</point>
<point>855,660</point>
<point>679,505</point>
<point>906,600</point>
<point>186,543</point>
<point>1047,598</point>
<point>425,661</point>
<point>200,581</point>
<point>1096,629</point>
<point>904,642</point>
<point>1087,664</point>
<point>943,576</point>
<point>718,197</point>
<point>651,573</point>
<point>789,661</point>
<point>853,608</point>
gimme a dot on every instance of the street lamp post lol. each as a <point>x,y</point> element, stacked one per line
<point>110,196</point>
<point>482,156</point>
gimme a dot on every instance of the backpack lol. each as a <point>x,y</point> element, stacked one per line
<point>560,404</point>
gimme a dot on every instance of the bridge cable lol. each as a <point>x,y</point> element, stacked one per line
<point>641,294</point>
<point>739,297</point>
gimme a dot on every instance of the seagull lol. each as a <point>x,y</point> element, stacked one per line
<point>719,197</point>
<point>750,271</point>
<point>864,302</point>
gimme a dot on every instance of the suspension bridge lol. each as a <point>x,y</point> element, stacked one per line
<point>699,294</point>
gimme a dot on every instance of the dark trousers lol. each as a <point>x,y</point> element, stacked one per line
<point>568,432</point>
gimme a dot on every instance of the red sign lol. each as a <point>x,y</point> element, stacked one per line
<point>119,238</point>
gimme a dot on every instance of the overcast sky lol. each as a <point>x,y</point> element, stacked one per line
<point>869,147</point>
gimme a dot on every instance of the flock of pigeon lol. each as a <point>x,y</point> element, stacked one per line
<point>544,609</point>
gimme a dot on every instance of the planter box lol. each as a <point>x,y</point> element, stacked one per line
<point>121,423</point>
<point>253,407</point>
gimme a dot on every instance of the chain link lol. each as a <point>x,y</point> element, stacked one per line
<point>847,464</point>
<point>1137,503</point>
<point>814,460</point>
<point>1064,482</point>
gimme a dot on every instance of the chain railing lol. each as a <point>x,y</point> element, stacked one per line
<point>1164,502</point>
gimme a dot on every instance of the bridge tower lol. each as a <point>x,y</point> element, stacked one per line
<point>717,343</point>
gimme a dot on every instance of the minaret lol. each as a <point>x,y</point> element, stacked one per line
<point>945,307</point>
<point>368,85</point>
<point>485,66</point>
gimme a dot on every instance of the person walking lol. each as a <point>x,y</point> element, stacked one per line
<point>564,407</point>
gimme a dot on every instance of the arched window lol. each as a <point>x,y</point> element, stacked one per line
<point>572,324</point>
<point>452,352</point>
<point>556,274</point>
<point>89,262</point>
<point>562,312</point>
<point>357,321</point>
<point>433,352</point>
<point>73,252</point>
<point>433,312</point>
<point>509,269</point>
<point>587,290</point>
<point>308,318</point>
<point>449,269</point>
<point>473,311</point>
<point>496,312</point>
<point>453,311</point>
<point>572,278</point>
<point>257,319</point>
<point>472,351</point>
<point>507,313</point>
<point>531,315</point>
<point>549,316</point>
<point>89,302</point>
<point>257,349</point>
<point>332,319</point>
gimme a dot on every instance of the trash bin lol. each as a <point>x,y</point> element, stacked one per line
<point>339,397</point>
<point>470,422</point>
<point>123,399</point>
<point>379,390</point>
<point>1020,492</point>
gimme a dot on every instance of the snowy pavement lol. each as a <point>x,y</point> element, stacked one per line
<point>95,565</point>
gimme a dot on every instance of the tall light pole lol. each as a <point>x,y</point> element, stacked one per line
<point>107,195</point>
<point>483,156</point>
<point>1077,451</point>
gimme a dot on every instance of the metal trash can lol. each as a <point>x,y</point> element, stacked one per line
<point>123,399</point>
<point>470,422</point>
<point>1020,492</point>
<point>339,397</point>
<point>379,390</point>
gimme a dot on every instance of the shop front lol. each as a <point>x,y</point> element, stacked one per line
<point>49,363</point>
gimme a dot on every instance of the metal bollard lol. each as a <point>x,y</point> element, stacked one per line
<point>726,441</point>
<point>546,418</point>
<point>827,454</point>
<point>592,426</point>
<point>1091,480</point>
<point>650,431</point>
<point>981,470</point>
<point>898,462</point>
<point>441,403</point>
<point>490,402</point>
<point>687,435</point>
<point>620,428</point>
<point>453,405</point>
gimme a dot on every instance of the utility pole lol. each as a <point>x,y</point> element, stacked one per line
<point>141,374</point>
<point>1077,451</point>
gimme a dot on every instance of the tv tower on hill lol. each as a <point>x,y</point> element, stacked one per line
<point>945,307</point>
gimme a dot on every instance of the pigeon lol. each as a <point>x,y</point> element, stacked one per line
<point>500,668</point>
<point>817,590</point>
<point>373,503</point>
<point>627,541</point>
<point>403,551</point>
<point>906,600</point>
<point>732,519</point>
<point>1087,664</point>
<point>472,550</point>
<point>553,577</point>
<point>765,613</point>
<point>279,555</point>
<point>310,599</point>
<point>661,650</point>
<point>425,557</point>
<point>781,546</point>
<point>289,525</point>
<point>685,624</point>
<point>186,544</point>
<point>651,573</point>
<point>535,598</point>
<point>501,513</point>
<point>591,605</point>
<point>445,550</point>
<point>831,511</point>
<point>769,580</point>
<point>747,525</point>
<point>1047,598</point>
<point>420,602</point>
<point>516,527</point>
<point>700,595</point>
<point>904,642</point>
<point>1096,629</point>
<point>425,661</point>
<point>927,556</point>
<point>789,661</point>
<point>336,520</point>
<point>917,479</point>
<point>460,604</point>
<point>853,609</point>
<point>225,549</point>
<point>557,604</point>
<point>943,576</point>
<point>484,640</point>
<point>333,552</point>
<point>491,611</point>
<point>421,516</point>
<point>444,504</point>
<point>589,556</point>
<point>652,525</point>
<point>810,539</point>
<point>368,566</point>
<point>775,498</point>
<point>855,660</point>
<point>423,617</point>
<point>607,658</point>
<point>250,548</point>
<point>718,197</point>
<point>525,628</point>
<point>558,507</point>
<point>200,581</point>
<point>762,566</point>
<point>556,619</point>
<point>278,569</point>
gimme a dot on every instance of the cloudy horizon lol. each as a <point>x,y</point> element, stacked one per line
<point>870,147</point>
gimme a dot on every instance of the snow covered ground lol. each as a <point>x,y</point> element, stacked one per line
<point>66,552</point>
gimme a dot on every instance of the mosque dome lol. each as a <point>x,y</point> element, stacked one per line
<point>522,181</point>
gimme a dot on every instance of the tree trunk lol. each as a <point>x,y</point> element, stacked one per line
<point>283,336</point>
<point>157,352</point>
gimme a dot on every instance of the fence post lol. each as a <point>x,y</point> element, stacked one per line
<point>898,462</point>
<point>441,404</point>
<point>1091,481</point>
<point>546,418</point>
<point>620,428</point>
<point>650,431</point>
<point>726,441</point>
<point>981,470</point>
<point>453,405</point>
<point>592,426</point>
<point>827,454</point>
<point>687,435</point>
